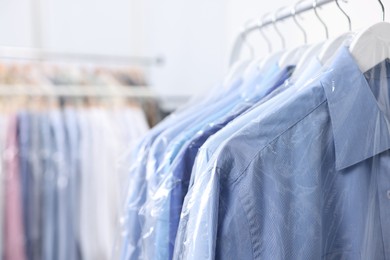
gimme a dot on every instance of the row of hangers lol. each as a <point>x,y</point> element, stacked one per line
<point>369,47</point>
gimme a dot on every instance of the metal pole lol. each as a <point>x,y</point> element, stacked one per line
<point>44,55</point>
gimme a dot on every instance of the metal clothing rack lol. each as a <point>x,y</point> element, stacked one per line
<point>135,92</point>
<point>46,55</point>
<point>278,16</point>
<point>77,91</point>
<point>31,54</point>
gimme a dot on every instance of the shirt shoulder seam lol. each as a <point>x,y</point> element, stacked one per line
<point>274,139</point>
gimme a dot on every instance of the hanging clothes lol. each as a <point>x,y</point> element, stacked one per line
<point>62,184</point>
<point>276,166</point>
<point>14,242</point>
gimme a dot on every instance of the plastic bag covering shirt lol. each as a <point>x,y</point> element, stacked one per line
<point>132,224</point>
<point>156,162</point>
<point>180,171</point>
<point>261,84</point>
<point>130,247</point>
<point>211,145</point>
<point>270,101</point>
<point>156,234</point>
<point>149,178</point>
<point>267,106</point>
<point>158,149</point>
<point>308,182</point>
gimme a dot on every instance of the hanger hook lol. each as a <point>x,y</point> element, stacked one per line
<point>319,18</point>
<point>261,27</point>
<point>346,15</point>
<point>294,16</point>
<point>244,39</point>
<point>383,10</point>
<point>274,19</point>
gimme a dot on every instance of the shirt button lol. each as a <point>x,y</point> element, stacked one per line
<point>388,194</point>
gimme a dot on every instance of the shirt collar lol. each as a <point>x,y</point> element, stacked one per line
<point>360,128</point>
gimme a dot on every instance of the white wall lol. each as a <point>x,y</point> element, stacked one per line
<point>15,23</point>
<point>95,26</point>
<point>191,37</point>
<point>194,37</point>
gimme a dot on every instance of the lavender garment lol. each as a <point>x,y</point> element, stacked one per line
<point>14,247</point>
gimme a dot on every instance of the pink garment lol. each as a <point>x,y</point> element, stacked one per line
<point>14,248</point>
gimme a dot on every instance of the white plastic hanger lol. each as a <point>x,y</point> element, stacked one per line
<point>255,63</point>
<point>325,50</point>
<point>311,52</point>
<point>274,57</point>
<point>306,58</point>
<point>315,51</point>
<point>372,45</point>
<point>235,71</point>
<point>239,66</point>
<point>331,46</point>
<point>294,56</point>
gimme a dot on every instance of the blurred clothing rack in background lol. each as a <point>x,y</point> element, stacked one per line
<point>46,55</point>
<point>139,92</point>
<point>77,91</point>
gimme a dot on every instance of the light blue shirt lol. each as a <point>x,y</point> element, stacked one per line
<point>71,126</point>
<point>133,221</point>
<point>308,181</point>
<point>267,104</point>
<point>62,229</point>
<point>205,154</point>
<point>160,156</point>
<point>49,194</point>
<point>158,204</point>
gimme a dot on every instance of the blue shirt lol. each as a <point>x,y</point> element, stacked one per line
<point>266,105</point>
<point>50,231</point>
<point>72,149</point>
<point>162,152</point>
<point>131,247</point>
<point>24,143</point>
<point>159,146</point>
<point>181,169</point>
<point>156,208</point>
<point>30,167</point>
<point>35,197</point>
<point>309,181</point>
<point>60,185</point>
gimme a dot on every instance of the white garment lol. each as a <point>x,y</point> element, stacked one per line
<point>88,224</point>
<point>105,137</point>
